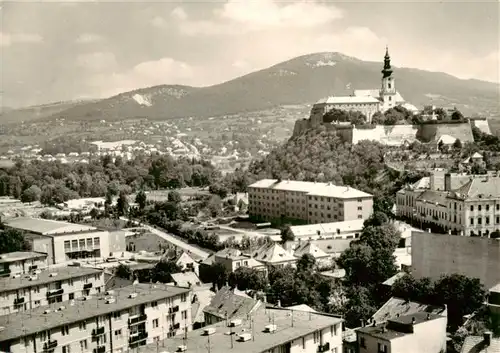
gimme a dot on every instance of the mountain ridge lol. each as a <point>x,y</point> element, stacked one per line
<point>300,80</point>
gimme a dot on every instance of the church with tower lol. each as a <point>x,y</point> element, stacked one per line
<point>367,101</point>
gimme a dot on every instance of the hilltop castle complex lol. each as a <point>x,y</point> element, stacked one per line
<point>367,101</point>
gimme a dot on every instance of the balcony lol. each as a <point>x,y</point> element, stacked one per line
<point>137,337</point>
<point>55,292</point>
<point>87,286</point>
<point>137,319</point>
<point>19,301</point>
<point>100,349</point>
<point>177,326</point>
<point>50,344</point>
<point>98,331</point>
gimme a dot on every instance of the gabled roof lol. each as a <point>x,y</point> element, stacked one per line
<point>477,155</point>
<point>273,253</point>
<point>234,305</point>
<point>447,139</point>
<point>480,188</point>
<point>475,344</point>
<point>423,183</point>
<point>309,248</point>
<point>348,100</point>
<point>229,253</point>
<point>397,306</point>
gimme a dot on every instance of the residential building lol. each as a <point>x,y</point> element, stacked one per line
<point>321,257</point>
<point>481,344</point>
<point>366,101</point>
<point>232,259</point>
<point>21,262</point>
<point>434,255</point>
<point>63,241</point>
<point>396,307</point>
<point>467,205</point>
<point>26,292</point>
<point>308,202</point>
<point>182,259</point>
<point>112,322</point>
<point>274,255</point>
<point>202,296</point>
<point>265,331</point>
<point>229,304</point>
<point>186,279</point>
<point>415,333</point>
<point>334,230</point>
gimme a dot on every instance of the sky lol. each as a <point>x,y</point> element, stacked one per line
<point>56,51</point>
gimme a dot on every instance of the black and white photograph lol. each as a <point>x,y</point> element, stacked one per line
<point>249,176</point>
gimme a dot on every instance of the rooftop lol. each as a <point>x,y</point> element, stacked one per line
<point>304,323</point>
<point>186,279</point>
<point>227,302</point>
<point>45,276</point>
<point>327,228</point>
<point>309,248</point>
<point>348,100</point>
<point>311,188</point>
<point>485,187</point>
<point>30,322</point>
<point>395,327</point>
<point>273,253</point>
<point>47,226</point>
<point>397,306</point>
<point>20,256</point>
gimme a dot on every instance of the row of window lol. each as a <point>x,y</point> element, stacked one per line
<point>487,207</point>
<point>486,220</point>
<point>81,244</point>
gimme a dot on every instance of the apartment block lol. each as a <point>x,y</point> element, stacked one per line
<point>465,204</point>
<point>63,241</point>
<point>310,202</point>
<point>115,321</point>
<point>21,262</point>
<point>40,288</point>
<point>265,331</point>
<point>415,333</point>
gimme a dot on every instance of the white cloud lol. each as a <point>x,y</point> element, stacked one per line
<point>238,17</point>
<point>179,13</point>
<point>97,61</point>
<point>158,21</point>
<point>8,39</point>
<point>85,38</point>
<point>145,74</point>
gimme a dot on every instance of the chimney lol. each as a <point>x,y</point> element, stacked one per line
<point>413,320</point>
<point>428,316</point>
<point>374,323</point>
<point>487,338</point>
<point>265,298</point>
<point>428,230</point>
<point>383,329</point>
<point>279,304</point>
<point>362,323</point>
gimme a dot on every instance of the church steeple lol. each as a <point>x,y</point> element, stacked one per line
<point>387,71</point>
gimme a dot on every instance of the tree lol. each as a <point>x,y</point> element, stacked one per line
<point>163,270</point>
<point>287,234</point>
<point>306,264</point>
<point>218,275</point>
<point>174,196</point>
<point>360,306</point>
<point>12,240</point>
<point>457,115</point>
<point>141,199</point>
<point>123,271</point>
<point>122,204</point>
<point>218,189</point>
<point>457,144</point>
<point>248,278</point>
<point>376,219</point>
<point>214,206</point>
<point>31,194</point>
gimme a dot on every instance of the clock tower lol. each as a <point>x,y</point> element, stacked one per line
<point>388,90</point>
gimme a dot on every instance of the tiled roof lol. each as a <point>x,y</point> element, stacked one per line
<point>309,248</point>
<point>348,100</point>
<point>312,188</point>
<point>227,302</point>
<point>481,188</point>
<point>397,306</point>
<point>476,344</point>
<point>432,196</point>
<point>185,279</point>
<point>229,253</point>
<point>273,253</point>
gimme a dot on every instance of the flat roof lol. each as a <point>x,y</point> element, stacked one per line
<point>25,323</point>
<point>63,273</point>
<point>355,225</point>
<point>20,256</point>
<point>47,226</point>
<point>311,188</point>
<point>304,323</point>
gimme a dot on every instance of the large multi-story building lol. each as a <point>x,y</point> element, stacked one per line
<point>265,331</point>
<point>26,292</point>
<point>20,262</point>
<point>366,101</point>
<point>63,241</point>
<point>465,204</point>
<point>116,321</point>
<point>309,202</point>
